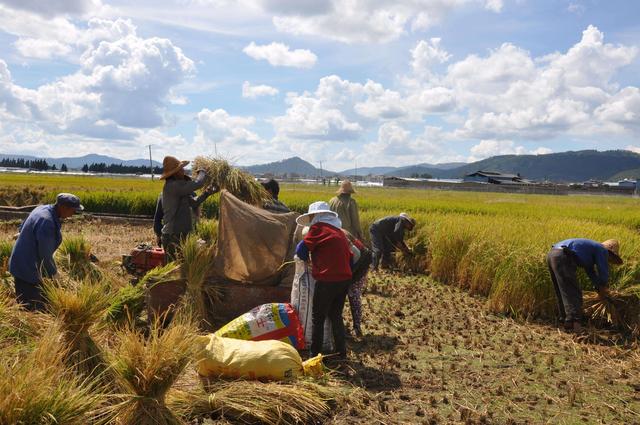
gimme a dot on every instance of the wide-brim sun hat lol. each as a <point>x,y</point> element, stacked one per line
<point>613,246</point>
<point>346,188</point>
<point>171,165</point>
<point>408,218</point>
<point>319,207</point>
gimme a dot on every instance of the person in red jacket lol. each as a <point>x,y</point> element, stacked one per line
<point>331,259</point>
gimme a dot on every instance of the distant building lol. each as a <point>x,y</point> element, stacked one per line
<point>627,183</point>
<point>495,177</point>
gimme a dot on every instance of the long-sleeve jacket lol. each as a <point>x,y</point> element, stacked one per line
<point>176,204</point>
<point>39,238</point>
<point>589,255</point>
<point>194,201</point>
<point>391,227</point>
<point>330,252</point>
<point>347,209</point>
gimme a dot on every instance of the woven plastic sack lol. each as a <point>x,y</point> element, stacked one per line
<point>274,321</point>
<point>241,359</point>
<point>302,301</point>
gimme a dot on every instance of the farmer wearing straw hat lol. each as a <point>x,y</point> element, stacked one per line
<point>176,203</point>
<point>32,256</point>
<point>564,259</point>
<point>331,268</point>
<point>387,235</point>
<point>347,209</point>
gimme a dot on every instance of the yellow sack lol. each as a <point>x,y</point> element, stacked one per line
<point>236,358</point>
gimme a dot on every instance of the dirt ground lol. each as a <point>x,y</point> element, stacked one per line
<point>433,354</point>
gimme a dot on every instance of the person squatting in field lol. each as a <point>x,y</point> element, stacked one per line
<point>32,256</point>
<point>387,235</point>
<point>331,268</point>
<point>564,259</point>
<point>176,202</point>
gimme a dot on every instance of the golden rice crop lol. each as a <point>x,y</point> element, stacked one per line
<point>240,183</point>
<point>74,257</point>
<point>147,366</point>
<point>207,230</point>
<point>196,260</point>
<point>78,306</point>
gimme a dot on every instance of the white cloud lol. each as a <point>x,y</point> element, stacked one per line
<point>368,21</point>
<point>253,92</point>
<point>123,84</point>
<point>577,8</point>
<point>425,54</point>
<point>49,8</point>
<point>633,148</point>
<point>278,54</point>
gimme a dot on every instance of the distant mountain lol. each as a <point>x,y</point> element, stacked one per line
<point>78,162</point>
<point>294,165</point>
<point>572,166</point>
<point>399,171</point>
<point>627,174</point>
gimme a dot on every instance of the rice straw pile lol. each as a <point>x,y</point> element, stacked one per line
<point>74,257</point>
<point>147,367</point>
<point>416,261</point>
<point>252,402</point>
<point>78,307</point>
<point>240,183</point>
<point>196,260</point>
<point>38,387</point>
<point>621,308</point>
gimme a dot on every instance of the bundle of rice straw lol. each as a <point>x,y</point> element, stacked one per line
<point>196,260</point>
<point>78,307</point>
<point>17,326</point>
<point>415,262</point>
<point>252,402</point>
<point>621,308</point>
<point>127,305</point>
<point>39,387</point>
<point>241,184</point>
<point>147,367</point>
<point>74,257</point>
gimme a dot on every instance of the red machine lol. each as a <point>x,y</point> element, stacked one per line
<point>143,258</point>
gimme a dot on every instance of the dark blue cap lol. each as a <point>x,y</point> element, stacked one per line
<point>69,200</point>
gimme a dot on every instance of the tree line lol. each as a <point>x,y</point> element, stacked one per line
<point>101,167</point>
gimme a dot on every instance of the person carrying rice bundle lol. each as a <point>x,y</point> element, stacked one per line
<point>274,204</point>
<point>32,256</point>
<point>564,259</point>
<point>177,200</point>
<point>387,235</point>
<point>331,259</point>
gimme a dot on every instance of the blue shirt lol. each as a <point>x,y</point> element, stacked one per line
<point>589,255</point>
<point>39,238</point>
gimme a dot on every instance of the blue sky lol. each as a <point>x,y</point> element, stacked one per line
<point>377,82</point>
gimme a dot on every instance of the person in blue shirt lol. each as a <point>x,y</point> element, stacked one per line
<point>564,259</point>
<point>32,256</point>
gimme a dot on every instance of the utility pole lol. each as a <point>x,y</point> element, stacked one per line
<point>150,162</point>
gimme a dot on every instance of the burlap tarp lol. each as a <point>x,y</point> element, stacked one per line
<point>253,243</point>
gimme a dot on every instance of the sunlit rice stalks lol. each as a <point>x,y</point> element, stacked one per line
<point>5,252</point>
<point>147,367</point>
<point>127,304</point>
<point>78,307</point>
<point>252,402</point>
<point>241,184</point>
<point>74,256</point>
<point>196,260</point>
<point>38,387</point>
<point>207,230</point>
<point>621,308</point>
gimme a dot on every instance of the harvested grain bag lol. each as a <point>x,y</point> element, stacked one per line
<point>268,321</point>
<point>302,301</point>
<point>235,358</point>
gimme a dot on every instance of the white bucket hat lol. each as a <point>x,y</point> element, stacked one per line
<point>319,207</point>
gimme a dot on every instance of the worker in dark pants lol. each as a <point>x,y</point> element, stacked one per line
<point>387,235</point>
<point>564,259</point>
<point>32,256</point>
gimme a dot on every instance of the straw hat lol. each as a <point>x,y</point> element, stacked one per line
<point>171,165</point>
<point>345,187</point>
<point>408,218</point>
<point>613,246</point>
<point>319,207</point>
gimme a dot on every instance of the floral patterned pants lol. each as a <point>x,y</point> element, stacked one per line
<point>355,302</point>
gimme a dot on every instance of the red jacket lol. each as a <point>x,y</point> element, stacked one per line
<point>330,253</point>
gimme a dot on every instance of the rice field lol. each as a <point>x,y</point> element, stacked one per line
<point>490,244</point>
